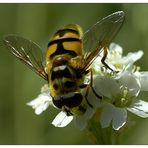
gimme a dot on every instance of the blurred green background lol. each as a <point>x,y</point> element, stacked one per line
<point>19,85</point>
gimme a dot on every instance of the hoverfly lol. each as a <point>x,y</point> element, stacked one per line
<point>68,58</point>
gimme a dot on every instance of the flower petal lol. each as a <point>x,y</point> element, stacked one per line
<point>80,122</point>
<point>141,105</point>
<point>89,112</point>
<point>41,103</point>
<point>134,56</point>
<point>113,114</point>
<point>140,108</point>
<point>119,118</point>
<point>115,48</point>
<point>106,115</point>
<point>143,78</point>
<point>107,87</point>
<point>45,89</point>
<point>62,120</point>
<point>93,100</point>
<point>129,80</point>
<point>138,112</point>
<point>130,59</point>
<point>39,109</point>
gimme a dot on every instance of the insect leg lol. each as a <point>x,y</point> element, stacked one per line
<point>104,57</point>
<point>86,95</point>
<point>68,113</point>
<point>91,85</point>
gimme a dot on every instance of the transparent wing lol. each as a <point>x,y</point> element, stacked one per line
<point>100,35</point>
<point>26,51</point>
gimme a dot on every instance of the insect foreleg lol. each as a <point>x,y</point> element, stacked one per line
<point>86,95</point>
<point>105,52</point>
<point>90,86</point>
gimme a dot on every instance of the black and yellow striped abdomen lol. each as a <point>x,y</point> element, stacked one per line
<point>64,80</point>
<point>66,41</point>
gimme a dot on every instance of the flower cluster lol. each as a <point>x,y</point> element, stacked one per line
<point>119,90</point>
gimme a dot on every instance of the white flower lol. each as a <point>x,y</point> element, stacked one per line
<point>120,96</point>
<point>80,120</point>
<point>119,90</point>
<point>115,59</point>
<point>62,120</point>
<point>116,115</point>
<point>42,102</point>
<point>143,78</point>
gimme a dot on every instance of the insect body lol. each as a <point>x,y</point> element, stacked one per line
<point>68,58</point>
<point>63,51</point>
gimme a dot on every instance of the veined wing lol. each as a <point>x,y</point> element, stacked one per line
<point>28,52</point>
<point>100,35</point>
